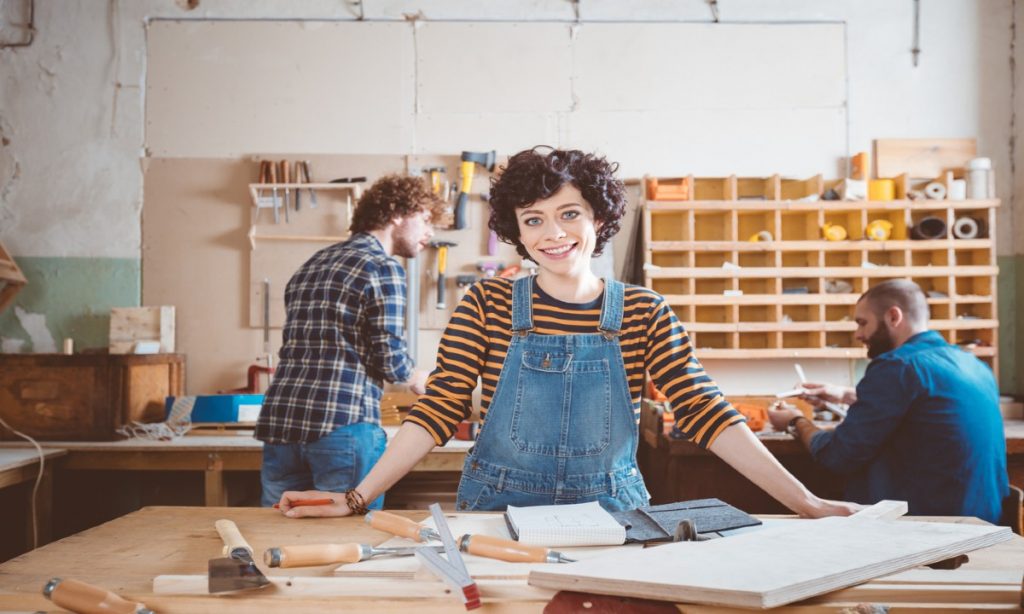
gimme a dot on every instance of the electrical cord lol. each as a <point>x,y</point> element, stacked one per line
<point>39,479</point>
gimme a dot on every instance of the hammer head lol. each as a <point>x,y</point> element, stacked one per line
<point>440,244</point>
<point>485,159</point>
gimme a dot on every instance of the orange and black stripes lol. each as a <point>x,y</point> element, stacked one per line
<point>653,340</point>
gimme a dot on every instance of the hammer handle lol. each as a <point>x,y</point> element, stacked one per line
<point>77,596</point>
<point>231,537</point>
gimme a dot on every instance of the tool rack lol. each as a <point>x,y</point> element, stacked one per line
<point>768,299</point>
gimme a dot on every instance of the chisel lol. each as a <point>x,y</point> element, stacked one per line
<point>308,555</point>
<point>508,550</point>
<point>286,178</point>
<point>273,192</point>
<point>401,526</point>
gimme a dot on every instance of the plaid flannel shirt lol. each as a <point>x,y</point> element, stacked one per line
<point>343,337</point>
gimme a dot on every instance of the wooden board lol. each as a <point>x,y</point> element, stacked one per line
<point>129,325</point>
<point>774,566</point>
<point>921,157</point>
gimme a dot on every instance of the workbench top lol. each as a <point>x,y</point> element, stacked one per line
<point>14,458</point>
<point>126,554</point>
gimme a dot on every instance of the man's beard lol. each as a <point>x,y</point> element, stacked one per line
<point>406,247</point>
<point>880,342</point>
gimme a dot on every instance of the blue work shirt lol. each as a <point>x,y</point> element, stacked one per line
<point>925,429</point>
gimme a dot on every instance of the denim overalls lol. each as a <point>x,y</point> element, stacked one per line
<point>560,427</point>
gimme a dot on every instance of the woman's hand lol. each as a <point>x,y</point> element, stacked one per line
<point>820,508</point>
<point>292,507</point>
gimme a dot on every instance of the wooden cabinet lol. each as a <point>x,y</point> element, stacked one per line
<point>84,396</point>
<point>753,276</point>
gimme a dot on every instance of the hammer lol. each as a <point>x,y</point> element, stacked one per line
<point>469,161</point>
<point>442,264</point>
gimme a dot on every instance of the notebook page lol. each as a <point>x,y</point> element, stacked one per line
<point>579,524</point>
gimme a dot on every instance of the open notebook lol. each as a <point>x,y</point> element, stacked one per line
<point>579,524</point>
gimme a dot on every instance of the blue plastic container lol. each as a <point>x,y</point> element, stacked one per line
<point>222,407</point>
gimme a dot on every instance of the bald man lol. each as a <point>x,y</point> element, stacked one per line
<point>923,424</point>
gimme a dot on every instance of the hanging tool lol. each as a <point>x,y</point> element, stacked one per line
<point>306,174</point>
<point>273,191</point>
<point>309,555</point>
<point>509,550</point>
<point>298,178</point>
<point>442,265</point>
<point>463,282</point>
<point>453,569</point>
<point>286,178</point>
<point>469,161</point>
<point>265,178</point>
<point>401,526</point>
<point>438,182</point>
<point>237,571</point>
<point>492,237</point>
<point>77,596</point>
<point>269,355</point>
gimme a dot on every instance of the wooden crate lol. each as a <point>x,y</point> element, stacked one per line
<point>130,325</point>
<point>85,397</point>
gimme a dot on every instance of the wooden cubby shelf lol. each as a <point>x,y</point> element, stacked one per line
<point>755,277</point>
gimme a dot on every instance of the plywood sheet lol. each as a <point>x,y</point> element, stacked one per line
<point>680,67</point>
<point>227,88</point>
<point>923,158</point>
<point>493,67</point>
<point>774,566</point>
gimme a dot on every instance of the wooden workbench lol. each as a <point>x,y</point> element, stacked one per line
<point>678,470</point>
<point>126,554</point>
<point>211,454</point>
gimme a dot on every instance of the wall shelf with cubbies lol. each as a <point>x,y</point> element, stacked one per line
<point>748,269</point>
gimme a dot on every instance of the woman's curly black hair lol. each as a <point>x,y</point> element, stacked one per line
<point>531,175</point>
<point>392,197</point>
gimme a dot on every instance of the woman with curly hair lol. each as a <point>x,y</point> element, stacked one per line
<point>562,358</point>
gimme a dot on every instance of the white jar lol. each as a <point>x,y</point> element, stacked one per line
<point>978,171</point>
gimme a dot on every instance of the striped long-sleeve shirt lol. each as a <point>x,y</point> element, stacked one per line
<point>476,340</point>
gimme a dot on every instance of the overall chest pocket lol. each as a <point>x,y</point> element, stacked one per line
<point>547,362</point>
<point>563,406</point>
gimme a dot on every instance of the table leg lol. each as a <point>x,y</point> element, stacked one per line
<point>215,491</point>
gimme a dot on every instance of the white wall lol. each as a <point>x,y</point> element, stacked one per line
<point>72,105</point>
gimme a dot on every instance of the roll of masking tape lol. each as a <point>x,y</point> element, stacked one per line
<point>833,232</point>
<point>958,189</point>
<point>878,230</point>
<point>929,228</point>
<point>763,235</point>
<point>881,189</point>
<point>966,228</point>
<point>935,191</point>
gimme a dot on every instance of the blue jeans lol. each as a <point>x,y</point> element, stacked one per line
<point>336,462</point>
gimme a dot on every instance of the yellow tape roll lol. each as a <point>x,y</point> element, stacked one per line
<point>833,232</point>
<point>882,189</point>
<point>878,230</point>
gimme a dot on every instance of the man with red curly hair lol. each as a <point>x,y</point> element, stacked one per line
<point>344,337</point>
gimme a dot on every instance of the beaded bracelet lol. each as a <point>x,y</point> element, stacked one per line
<point>356,502</point>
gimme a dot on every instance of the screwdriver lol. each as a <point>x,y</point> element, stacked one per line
<point>508,550</point>
<point>308,555</point>
<point>401,526</point>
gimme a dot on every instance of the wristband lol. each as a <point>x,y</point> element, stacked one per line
<point>356,502</point>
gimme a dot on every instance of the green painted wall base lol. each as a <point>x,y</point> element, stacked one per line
<point>75,295</point>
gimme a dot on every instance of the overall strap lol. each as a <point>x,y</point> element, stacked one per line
<point>522,305</point>
<point>611,308</point>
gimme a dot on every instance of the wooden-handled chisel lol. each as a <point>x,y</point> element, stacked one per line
<point>508,550</point>
<point>308,555</point>
<point>76,596</point>
<point>401,526</point>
